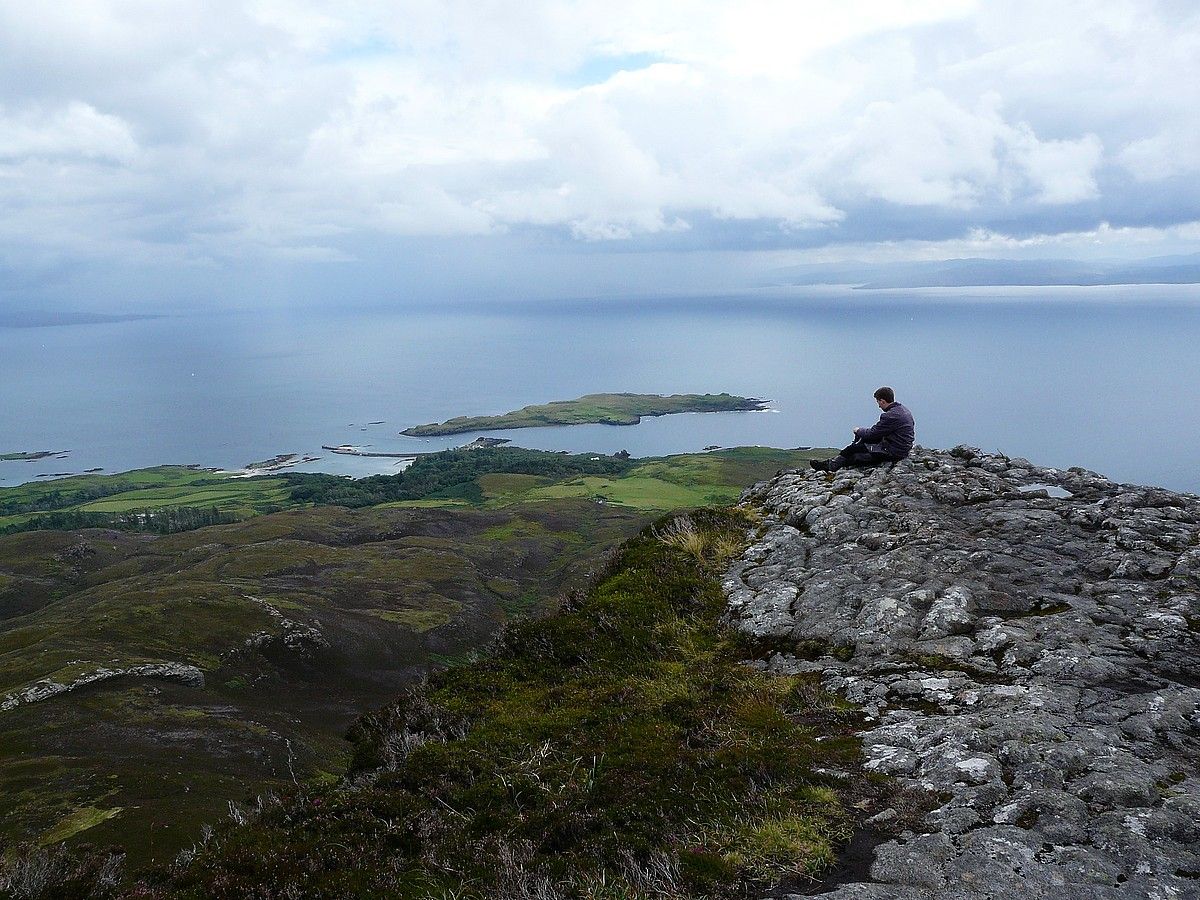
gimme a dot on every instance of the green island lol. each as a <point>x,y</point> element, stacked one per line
<point>32,455</point>
<point>593,409</point>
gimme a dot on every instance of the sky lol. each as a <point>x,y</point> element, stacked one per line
<point>158,153</point>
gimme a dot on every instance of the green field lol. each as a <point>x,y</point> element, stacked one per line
<point>85,499</point>
<point>602,409</point>
<point>685,481</point>
<point>241,496</point>
<point>161,487</point>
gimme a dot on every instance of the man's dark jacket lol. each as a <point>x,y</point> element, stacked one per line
<point>894,433</point>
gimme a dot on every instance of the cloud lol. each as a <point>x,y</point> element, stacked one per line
<point>1058,171</point>
<point>1169,152</point>
<point>920,150</point>
<point>196,133</point>
<point>74,131</point>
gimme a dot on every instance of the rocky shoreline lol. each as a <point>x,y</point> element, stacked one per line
<point>1023,641</point>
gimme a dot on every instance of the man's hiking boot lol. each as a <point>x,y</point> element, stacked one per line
<point>818,464</point>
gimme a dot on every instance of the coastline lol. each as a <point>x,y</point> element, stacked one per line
<point>479,443</point>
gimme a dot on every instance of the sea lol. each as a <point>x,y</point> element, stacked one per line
<point>1107,378</point>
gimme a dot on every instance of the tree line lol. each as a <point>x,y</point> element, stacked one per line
<point>167,520</point>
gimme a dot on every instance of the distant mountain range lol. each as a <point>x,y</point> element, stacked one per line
<point>988,272</point>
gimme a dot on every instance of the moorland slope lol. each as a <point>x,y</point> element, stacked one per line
<point>147,680</point>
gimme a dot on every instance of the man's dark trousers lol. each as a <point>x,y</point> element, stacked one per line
<point>857,454</point>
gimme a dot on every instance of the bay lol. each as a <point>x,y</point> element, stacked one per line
<point>1103,377</point>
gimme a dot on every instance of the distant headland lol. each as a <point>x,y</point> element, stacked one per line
<point>593,409</point>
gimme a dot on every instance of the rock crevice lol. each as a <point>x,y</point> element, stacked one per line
<point>1024,643</point>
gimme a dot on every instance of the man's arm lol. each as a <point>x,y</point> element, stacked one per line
<point>886,425</point>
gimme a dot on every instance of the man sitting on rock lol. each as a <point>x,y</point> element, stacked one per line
<point>888,440</point>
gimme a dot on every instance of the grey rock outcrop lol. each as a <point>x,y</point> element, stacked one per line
<point>1023,641</point>
<point>296,637</point>
<point>47,687</point>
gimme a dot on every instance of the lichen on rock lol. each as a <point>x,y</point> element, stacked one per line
<point>1023,640</point>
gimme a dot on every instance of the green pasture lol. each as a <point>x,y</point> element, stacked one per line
<point>684,481</point>
<point>242,495</point>
<point>160,487</point>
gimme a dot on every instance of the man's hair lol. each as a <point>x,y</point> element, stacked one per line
<point>885,393</point>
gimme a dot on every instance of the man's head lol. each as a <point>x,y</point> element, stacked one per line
<point>884,397</point>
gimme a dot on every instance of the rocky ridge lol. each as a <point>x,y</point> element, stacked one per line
<point>1023,641</point>
<point>46,688</point>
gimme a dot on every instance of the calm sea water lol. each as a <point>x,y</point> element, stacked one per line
<point>1105,378</point>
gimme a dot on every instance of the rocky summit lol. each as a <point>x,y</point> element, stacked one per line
<point>1023,642</point>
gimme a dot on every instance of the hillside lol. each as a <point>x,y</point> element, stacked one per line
<point>619,749</point>
<point>962,676</point>
<point>146,681</point>
<point>152,680</point>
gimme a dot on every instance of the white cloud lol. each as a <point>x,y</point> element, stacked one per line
<point>74,131</point>
<point>921,150</point>
<point>1059,171</point>
<point>211,130</point>
<point>1170,152</point>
